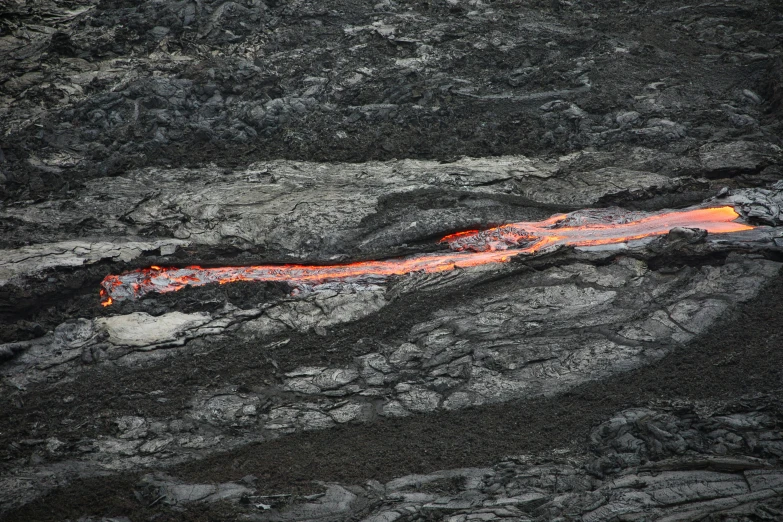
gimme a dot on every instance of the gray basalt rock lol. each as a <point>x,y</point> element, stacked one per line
<point>563,317</point>
<point>162,488</point>
<point>666,462</point>
<point>34,259</point>
<point>172,133</point>
<point>737,157</point>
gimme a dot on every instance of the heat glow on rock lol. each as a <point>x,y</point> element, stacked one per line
<point>469,248</point>
<point>593,228</point>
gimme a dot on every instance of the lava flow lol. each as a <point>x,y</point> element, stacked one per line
<point>594,227</point>
<point>471,248</point>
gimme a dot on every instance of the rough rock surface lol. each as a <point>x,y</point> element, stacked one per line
<point>632,381</point>
<point>669,462</point>
<point>93,87</point>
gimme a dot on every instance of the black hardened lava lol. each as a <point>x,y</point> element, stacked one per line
<point>177,133</point>
<point>722,364</point>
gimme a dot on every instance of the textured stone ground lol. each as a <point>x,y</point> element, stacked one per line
<point>638,381</point>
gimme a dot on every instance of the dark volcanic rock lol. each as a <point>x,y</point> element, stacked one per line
<point>632,380</point>
<point>106,86</point>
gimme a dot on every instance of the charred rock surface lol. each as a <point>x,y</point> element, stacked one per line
<point>95,87</point>
<point>669,462</point>
<point>637,378</point>
<point>537,326</point>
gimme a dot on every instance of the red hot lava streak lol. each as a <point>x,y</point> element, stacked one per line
<point>594,227</point>
<point>472,248</point>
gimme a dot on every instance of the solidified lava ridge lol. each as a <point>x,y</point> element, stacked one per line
<point>582,228</point>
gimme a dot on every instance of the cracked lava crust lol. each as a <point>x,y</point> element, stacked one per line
<point>484,260</point>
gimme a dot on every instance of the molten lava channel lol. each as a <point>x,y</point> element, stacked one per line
<point>470,248</point>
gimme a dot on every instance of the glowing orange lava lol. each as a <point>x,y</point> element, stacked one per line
<point>595,227</point>
<point>471,248</point>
